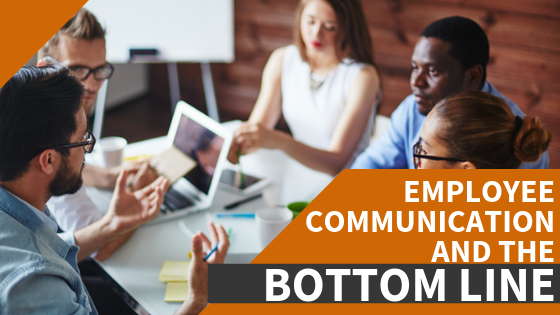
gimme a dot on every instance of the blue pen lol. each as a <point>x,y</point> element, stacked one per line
<point>235,215</point>
<point>211,252</point>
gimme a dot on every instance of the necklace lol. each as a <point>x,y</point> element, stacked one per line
<point>316,81</point>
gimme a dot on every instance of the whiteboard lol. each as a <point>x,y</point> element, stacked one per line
<point>181,30</point>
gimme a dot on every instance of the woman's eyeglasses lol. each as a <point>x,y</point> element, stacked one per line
<point>418,156</point>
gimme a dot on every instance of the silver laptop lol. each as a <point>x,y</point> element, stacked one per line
<point>205,141</point>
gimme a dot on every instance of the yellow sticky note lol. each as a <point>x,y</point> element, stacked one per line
<point>174,271</point>
<point>176,292</point>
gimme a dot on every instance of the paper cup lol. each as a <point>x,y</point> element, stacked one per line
<point>112,150</point>
<point>270,222</point>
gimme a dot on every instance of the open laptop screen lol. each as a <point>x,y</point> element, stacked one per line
<point>203,146</point>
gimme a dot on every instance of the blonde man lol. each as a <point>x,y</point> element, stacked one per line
<point>80,46</point>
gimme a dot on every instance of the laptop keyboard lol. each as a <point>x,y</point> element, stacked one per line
<point>173,200</point>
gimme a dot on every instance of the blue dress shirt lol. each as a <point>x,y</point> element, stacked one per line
<point>394,149</point>
<point>38,270</point>
<point>49,220</point>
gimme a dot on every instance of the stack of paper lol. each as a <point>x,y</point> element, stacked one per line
<point>176,274</point>
<point>176,292</point>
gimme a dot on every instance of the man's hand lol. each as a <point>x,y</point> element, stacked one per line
<point>197,298</point>
<point>141,178</point>
<point>128,210</point>
<point>107,177</point>
<point>217,233</point>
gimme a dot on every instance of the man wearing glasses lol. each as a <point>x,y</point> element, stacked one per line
<point>43,140</point>
<point>450,56</point>
<point>80,46</point>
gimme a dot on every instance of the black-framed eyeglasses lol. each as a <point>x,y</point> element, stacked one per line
<point>418,156</point>
<point>82,72</point>
<point>87,144</point>
<point>100,73</point>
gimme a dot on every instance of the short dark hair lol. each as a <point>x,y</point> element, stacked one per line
<point>37,111</point>
<point>83,25</point>
<point>469,43</point>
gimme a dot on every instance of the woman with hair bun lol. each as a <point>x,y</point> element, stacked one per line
<point>474,129</point>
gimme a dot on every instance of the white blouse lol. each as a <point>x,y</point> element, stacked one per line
<point>313,115</point>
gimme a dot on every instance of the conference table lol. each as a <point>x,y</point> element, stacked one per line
<point>137,264</point>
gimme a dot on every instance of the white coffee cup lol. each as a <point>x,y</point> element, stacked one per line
<point>270,222</point>
<point>112,149</point>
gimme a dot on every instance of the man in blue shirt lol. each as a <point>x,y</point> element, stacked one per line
<point>449,57</point>
<point>43,139</point>
<point>80,46</point>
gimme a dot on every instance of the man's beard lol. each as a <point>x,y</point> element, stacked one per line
<point>64,182</point>
<point>426,111</point>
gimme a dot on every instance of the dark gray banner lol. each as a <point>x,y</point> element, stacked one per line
<point>385,283</point>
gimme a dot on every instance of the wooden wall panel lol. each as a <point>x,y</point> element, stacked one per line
<point>502,27</point>
<point>524,39</point>
<point>541,8</point>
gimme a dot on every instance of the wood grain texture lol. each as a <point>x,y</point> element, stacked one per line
<point>524,39</point>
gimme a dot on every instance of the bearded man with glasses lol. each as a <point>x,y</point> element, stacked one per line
<point>80,46</point>
<point>43,141</point>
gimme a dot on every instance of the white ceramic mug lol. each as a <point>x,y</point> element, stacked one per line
<point>112,149</point>
<point>270,222</point>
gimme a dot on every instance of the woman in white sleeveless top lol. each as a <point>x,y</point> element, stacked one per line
<point>326,85</point>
